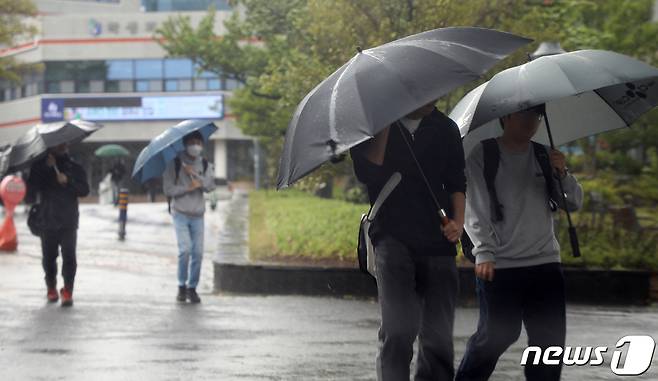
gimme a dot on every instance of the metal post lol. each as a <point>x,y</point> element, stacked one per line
<point>123,212</point>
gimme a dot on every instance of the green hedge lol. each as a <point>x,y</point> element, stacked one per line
<point>295,224</point>
<point>291,223</point>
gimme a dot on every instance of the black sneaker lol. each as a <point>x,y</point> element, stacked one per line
<point>193,296</point>
<point>182,294</point>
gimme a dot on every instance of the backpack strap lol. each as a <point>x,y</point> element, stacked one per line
<point>541,155</point>
<point>177,165</point>
<point>205,165</point>
<point>491,161</point>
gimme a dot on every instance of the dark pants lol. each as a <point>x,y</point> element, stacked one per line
<point>51,241</point>
<point>417,296</point>
<point>533,295</point>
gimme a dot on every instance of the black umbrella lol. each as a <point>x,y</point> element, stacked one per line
<point>38,139</point>
<point>380,85</point>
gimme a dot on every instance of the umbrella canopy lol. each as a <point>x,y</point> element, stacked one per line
<point>380,85</point>
<point>111,150</point>
<point>35,142</point>
<point>154,158</point>
<point>586,92</point>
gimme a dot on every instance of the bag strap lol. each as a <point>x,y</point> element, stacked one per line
<point>386,190</point>
<point>177,166</point>
<point>441,211</point>
<point>541,155</point>
<point>491,153</point>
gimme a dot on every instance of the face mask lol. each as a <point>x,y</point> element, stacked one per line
<point>194,150</point>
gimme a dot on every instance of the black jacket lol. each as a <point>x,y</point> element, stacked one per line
<point>59,204</point>
<point>409,214</point>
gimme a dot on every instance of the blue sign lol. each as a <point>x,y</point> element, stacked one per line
<point>133,108</point>
<point>52,110</point>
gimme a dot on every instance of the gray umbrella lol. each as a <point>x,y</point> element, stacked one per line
<point>586,92</point>
<point>35,142</point>
<point>380,85</point>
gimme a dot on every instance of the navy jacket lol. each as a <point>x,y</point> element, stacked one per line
<point>409,214</point>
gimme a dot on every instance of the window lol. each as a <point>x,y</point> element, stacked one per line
<point>178,68</point>
<point>214,84</point>
<point>171,85</point>
<point>120,69</point>
<point>148,69</point>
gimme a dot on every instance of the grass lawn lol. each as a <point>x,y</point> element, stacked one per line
<point>295,227</point>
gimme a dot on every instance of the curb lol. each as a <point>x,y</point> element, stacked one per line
<point>600,287</point>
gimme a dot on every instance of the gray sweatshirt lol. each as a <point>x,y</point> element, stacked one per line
<point>191,203</point>
<point>525,236</point>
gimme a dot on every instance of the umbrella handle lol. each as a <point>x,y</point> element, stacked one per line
<point>573,237</point>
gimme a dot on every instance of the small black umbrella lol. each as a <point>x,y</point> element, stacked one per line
<point>37,140</point>
<point>380,85</point>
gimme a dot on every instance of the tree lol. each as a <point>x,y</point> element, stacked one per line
<point>13,30</point>
<point>281,49</point>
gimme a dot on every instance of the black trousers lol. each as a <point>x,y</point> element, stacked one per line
<point>533,295</point>
<point>417,297</point>
<point>51,242</point>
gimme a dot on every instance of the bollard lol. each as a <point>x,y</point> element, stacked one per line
<point>123,213</point>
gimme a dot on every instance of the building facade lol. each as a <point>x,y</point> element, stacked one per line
<point>98,60</point>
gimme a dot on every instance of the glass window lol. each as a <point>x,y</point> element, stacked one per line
<point>203,74</point>
<point>183,5</point>
<point>171,85</point>
<point>178,68</point>
<point>96,86</point>
<point>88,70</point>
<point>200,84</point>
<point>67,86</point>
<point>141,86</point>
<point>82,86</point>
<point>214,84</point>
<point>184,84</point>
<point>148,69</point>
<point>52,87</point>
<point>59,70</point>
<point>120,69</point>
<point>231,84</point>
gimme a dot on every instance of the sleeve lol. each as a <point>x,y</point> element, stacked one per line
<point>454,177</point>
<point>209,179</point>
<point>367,172</point>
<point>41,178</point>
<point>169,186</point>
<point>574,192</point>
<point>78,181</point>
<point>477,216</point>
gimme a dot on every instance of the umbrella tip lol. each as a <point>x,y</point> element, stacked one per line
<point>359,49</point>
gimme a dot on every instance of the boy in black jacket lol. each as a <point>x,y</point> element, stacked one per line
<point>415,255</point>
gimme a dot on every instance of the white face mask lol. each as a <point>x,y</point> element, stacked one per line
<point>194,150</point>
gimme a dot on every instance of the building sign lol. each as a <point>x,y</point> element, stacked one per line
<point>52,110</point>
<point>133,108</point>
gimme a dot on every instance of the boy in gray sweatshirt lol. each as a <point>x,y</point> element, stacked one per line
<point>185,180</point>
<point>518,273</point>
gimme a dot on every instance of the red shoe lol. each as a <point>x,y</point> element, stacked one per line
<point>67,297</point>
<point>52,295</point>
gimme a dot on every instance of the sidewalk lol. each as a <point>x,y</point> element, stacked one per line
<point>125,324</point>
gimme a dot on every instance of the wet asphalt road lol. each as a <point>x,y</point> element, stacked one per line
<point>125,324</point>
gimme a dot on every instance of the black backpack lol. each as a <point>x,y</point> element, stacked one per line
<point>177,166</point>
<point>491,160</point>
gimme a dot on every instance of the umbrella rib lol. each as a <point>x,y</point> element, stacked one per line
<point>333,133</point>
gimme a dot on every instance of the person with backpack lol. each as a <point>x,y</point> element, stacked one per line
<point>185,181</point>
<point>414,241</point>
<point>57,182</point>
<point>512,195</point>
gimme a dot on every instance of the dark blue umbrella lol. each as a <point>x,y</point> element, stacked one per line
<point>154,158</point>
